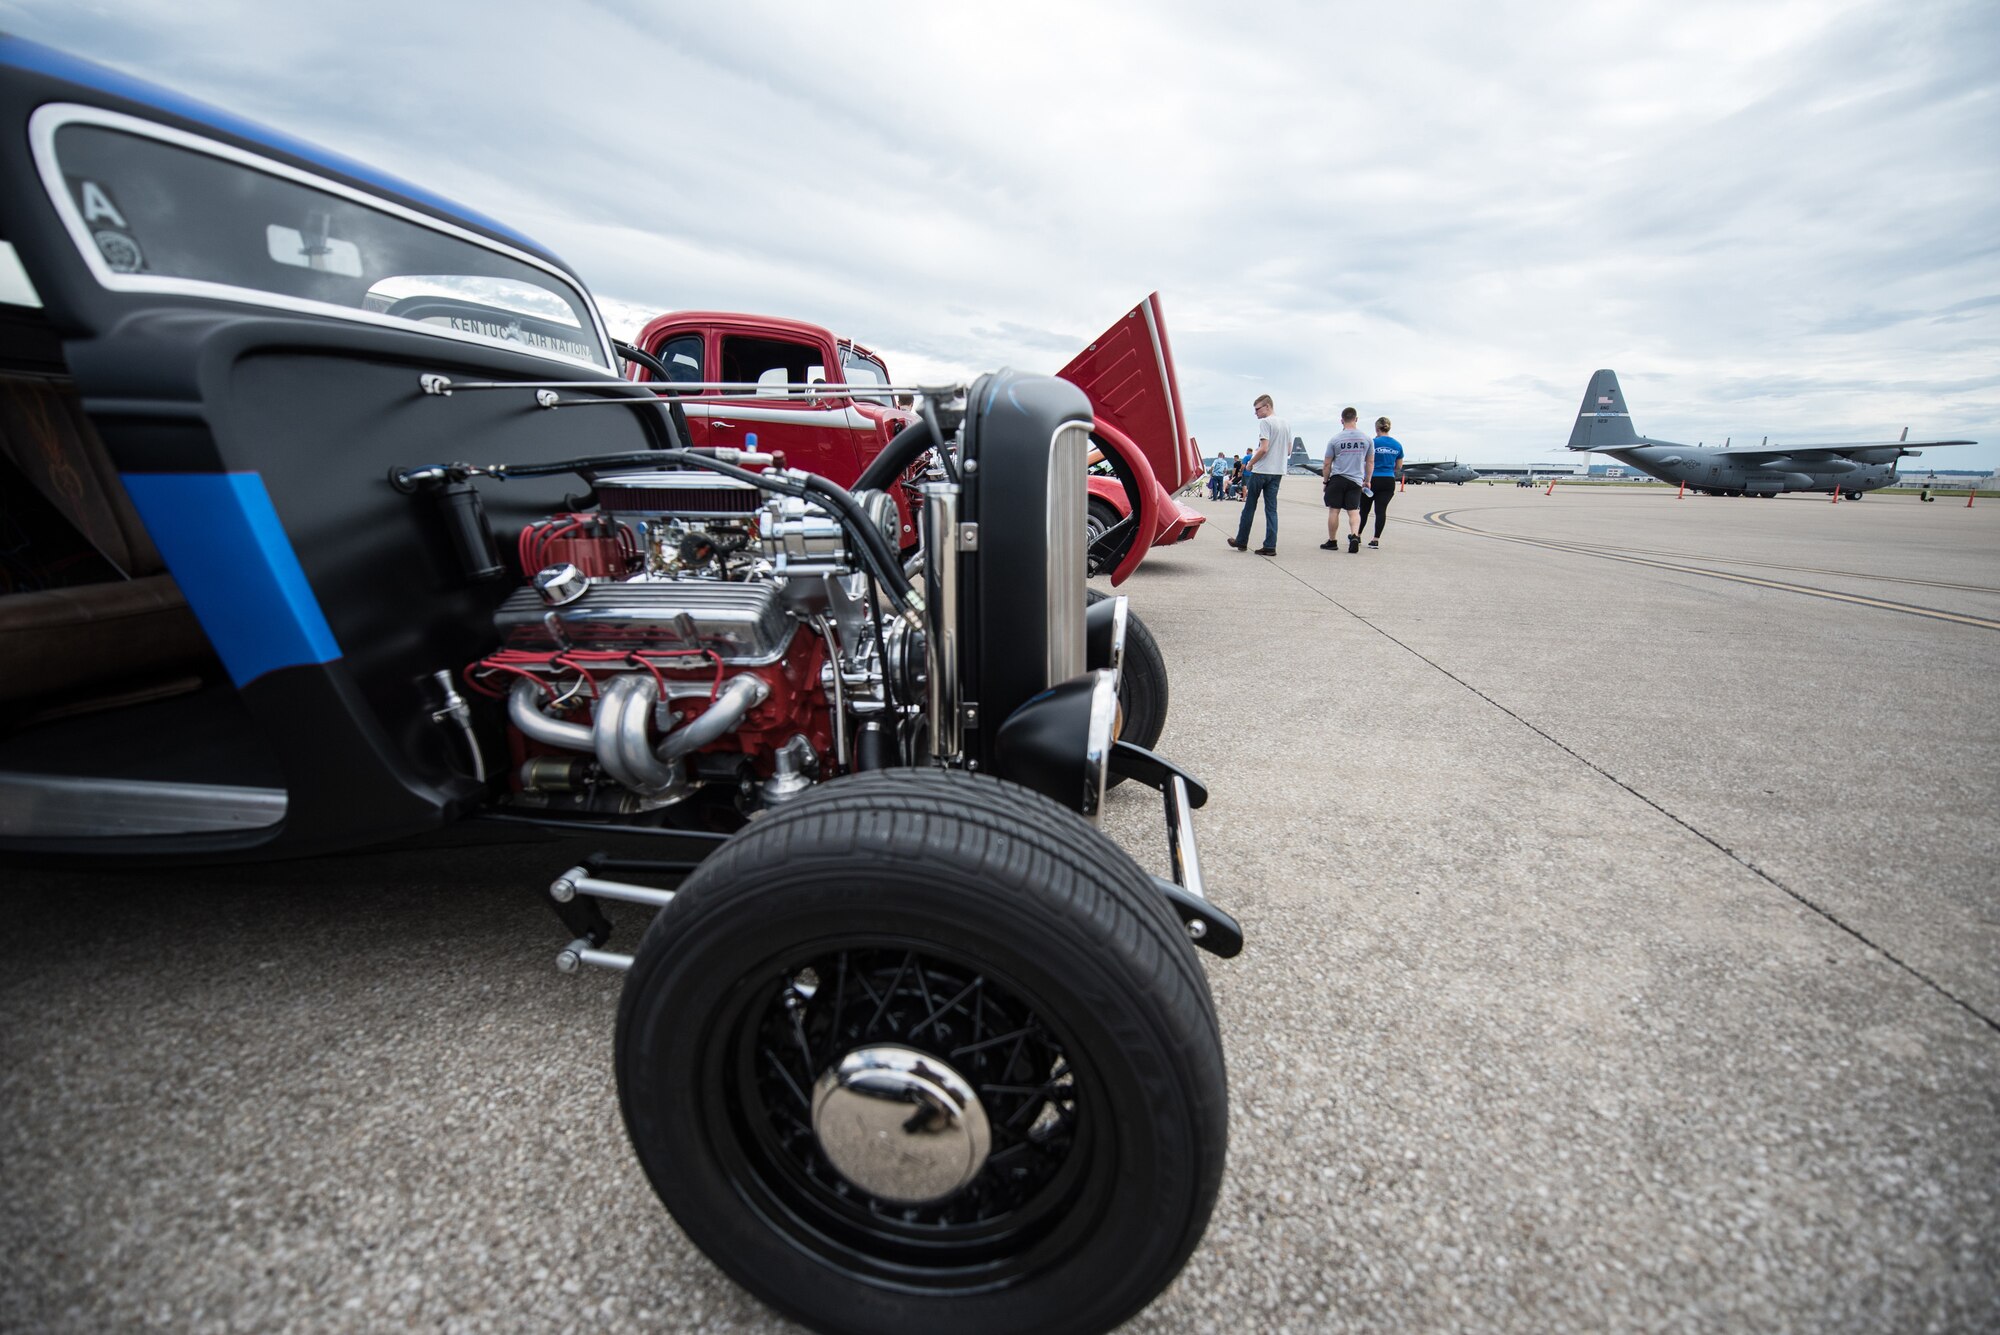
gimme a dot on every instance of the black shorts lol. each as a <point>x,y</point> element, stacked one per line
<point>1342,493</point>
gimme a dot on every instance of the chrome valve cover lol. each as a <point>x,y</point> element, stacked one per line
<point>742,623</point>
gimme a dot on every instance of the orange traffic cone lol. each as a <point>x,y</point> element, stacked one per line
<point>1683,491</point>
<point>1836,493</point>
<point>1402,485</point>
<point>1968,497</point>
<point>1552,488</point>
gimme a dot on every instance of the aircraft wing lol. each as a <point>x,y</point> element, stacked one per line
<point>1432,463</point>
<point>1842,450</point>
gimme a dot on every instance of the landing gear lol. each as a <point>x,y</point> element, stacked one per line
<point>953,1070</point>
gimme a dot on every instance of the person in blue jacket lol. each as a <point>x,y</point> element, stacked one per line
<point>1388,475</point>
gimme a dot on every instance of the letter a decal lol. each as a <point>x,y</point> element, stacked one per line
<point>97,206</point>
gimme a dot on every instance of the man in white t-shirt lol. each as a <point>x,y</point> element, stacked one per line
<point>1262,473</point>
<point>1348,468</point>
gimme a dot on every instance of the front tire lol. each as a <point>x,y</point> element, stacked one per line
<point>982,934</point>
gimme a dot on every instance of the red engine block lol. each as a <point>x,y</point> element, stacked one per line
<point>795,706</point>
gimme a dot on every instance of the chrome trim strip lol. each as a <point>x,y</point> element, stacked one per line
<point>1101,736</point>
<point>53,806</point>
<point>1166,386</point>
<point>733,389</point>
<point>848,419</point>
<point>1121,621</point>
<point>1069,446</point>
<point>940,553</point>
<point>48,119</point>
<point>1180,840</point>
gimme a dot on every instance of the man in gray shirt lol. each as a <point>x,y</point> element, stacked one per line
<point>1261,476</point>
<point>1349,462</point>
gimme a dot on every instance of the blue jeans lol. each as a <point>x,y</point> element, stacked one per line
<point>1215,486</point>
<point>1254,485</point>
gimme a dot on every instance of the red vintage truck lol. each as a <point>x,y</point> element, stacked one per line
<point>1128,372</point>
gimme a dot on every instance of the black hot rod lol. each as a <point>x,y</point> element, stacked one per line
<point>338,525</point>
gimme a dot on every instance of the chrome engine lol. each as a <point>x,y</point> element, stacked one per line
<point>695,633</point>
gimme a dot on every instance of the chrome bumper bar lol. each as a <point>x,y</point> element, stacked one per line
<point>1207,926</point>
<point>1180,839</point>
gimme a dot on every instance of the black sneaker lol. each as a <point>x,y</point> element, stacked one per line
<point>1330,545</point>
<point>1353,543</point>
<point>1373,543</point>
<point>1267,551</point>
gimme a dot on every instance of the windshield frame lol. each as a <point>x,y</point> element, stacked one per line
<point>52,117</point>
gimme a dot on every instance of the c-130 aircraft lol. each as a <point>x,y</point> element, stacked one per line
<point>1447,470</point>
<point>1604,427</point>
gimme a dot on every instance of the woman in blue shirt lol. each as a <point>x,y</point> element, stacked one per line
<point>1388,474</point>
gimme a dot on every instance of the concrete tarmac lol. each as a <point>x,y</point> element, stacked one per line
<point>1620,881</point>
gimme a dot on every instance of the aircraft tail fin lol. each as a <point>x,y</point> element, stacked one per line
<point>1602,422</point>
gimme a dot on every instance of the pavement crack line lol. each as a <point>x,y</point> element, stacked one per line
<point>1827,914</point>
<point>1443,519</point>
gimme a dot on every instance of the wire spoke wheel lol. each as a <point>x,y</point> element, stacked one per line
<point>797,1028</point>
<point>925,1047</point>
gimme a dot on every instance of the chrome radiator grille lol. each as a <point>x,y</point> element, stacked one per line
<point>1068,450</point>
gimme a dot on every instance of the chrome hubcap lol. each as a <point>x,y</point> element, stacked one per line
<point>900,1124</point>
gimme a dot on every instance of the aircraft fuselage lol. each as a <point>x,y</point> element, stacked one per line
<point>1712,470</point>
<point>1442,473</point>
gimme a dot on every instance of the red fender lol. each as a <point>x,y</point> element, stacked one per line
<point>1109,438</point>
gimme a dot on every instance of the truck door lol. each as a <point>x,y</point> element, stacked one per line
<point>815,431</point>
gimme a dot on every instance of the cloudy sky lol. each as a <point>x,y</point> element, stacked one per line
<point>1772,219</point>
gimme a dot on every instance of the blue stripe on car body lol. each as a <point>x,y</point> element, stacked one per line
<point>225,546</point>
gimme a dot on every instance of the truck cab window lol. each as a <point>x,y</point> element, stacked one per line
<point>681,355</point>
<point>771,363</point>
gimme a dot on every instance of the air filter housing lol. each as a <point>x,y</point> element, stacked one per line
<point>678,494</point>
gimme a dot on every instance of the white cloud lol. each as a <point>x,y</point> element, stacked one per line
<point>1771,218</point>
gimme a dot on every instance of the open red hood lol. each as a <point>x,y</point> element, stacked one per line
<point>1128,372</point>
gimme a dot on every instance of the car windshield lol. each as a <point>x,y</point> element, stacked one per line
<point>862,370</point>
<point>159,216</point>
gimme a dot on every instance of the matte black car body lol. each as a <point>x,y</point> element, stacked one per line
<point>254,444</point>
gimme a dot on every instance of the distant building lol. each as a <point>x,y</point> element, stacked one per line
<point>1561,469</point>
